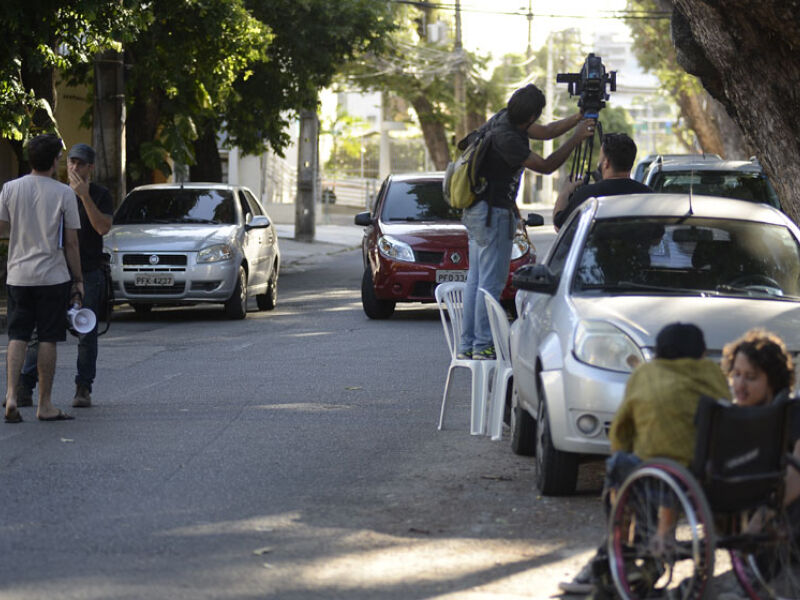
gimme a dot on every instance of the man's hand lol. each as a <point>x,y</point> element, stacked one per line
<point>585,129</point>
<point>78,184</point>
<point>76,293</point>
<point>571,186</point>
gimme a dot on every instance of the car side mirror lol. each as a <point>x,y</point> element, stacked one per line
<point>535,278</point>
<point>534,220</point>
<point>258,222</point>
<point>364,219</point>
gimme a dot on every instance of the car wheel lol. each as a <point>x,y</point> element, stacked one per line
<point>523,428</point>
<point>142,309</point>
<point>374,307</point>
<point>236,306</point>
<point>556,471</point>
<point>269,299</point>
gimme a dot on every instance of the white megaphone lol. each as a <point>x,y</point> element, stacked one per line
<point>81,320</point>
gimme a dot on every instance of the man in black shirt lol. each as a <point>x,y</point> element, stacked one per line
<point>617,153</point>
<point>95,208</point>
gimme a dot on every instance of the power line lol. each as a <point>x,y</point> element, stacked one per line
<point>637,14</point>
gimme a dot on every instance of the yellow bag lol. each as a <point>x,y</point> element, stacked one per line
<point>462,184</point>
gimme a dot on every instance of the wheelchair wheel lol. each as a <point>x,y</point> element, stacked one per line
<point>661,538</point>
<point>773,571</point>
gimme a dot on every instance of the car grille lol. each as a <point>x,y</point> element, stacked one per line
<point>142,290</point>
<point>205,286</point>
<point>166,262</point>
<point>431,258</point>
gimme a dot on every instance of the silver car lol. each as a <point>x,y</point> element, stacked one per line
<point>620,269</point>
<point>194,242</point>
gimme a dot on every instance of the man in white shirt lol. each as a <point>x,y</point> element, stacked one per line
<point>44,269</point>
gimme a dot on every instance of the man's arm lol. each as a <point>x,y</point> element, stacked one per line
<point>554,129</point>
<point>100,221</point>
<point>72,253</point>
<point>562,202</point>
<point>547,165</point>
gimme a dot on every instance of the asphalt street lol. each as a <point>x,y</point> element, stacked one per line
<point>290,455</point>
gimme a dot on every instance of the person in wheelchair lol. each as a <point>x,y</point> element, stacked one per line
<point>760,371</point>
<point>656,419</point>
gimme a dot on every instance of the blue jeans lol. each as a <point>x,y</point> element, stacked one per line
<point>489,260</point>
<point>93,282</point>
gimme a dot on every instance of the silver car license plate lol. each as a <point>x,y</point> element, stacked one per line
<point>443,276</point>
<point>154,279</point>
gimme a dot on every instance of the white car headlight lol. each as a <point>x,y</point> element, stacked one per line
<point>395,249</point>
<point>215,253</point>
<point>520,246</point>
<point>603,345</point>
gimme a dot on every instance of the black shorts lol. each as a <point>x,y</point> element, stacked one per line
<point>40,306</point>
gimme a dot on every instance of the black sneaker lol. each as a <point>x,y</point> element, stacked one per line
<point>582,583</point>
<point>83,398</point>
<point>485,354</point>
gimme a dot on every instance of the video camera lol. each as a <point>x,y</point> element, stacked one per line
<point>590,84</point>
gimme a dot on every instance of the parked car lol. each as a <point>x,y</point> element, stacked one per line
<point>413,241</point>
<point>620,269</point>
<point>193,242</point>
<point>640,172</point>
<point>742,179</point>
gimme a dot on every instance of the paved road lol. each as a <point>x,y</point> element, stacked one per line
<point>291,455</point>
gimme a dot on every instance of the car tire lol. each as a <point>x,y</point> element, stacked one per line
<point>556,471</point>
<point>236,305</point>
<point>523,428</point>
<point>142,309</point>
<point>269,299</point>
<point>374,307</point>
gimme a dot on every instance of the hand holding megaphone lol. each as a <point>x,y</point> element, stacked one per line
<point>80,319</point>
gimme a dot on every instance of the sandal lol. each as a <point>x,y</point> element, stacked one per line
<point>13,416</point>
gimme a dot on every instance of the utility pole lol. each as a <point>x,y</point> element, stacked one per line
<point>108,131</point>
<point>459,79</point>
<point>547,182</point>
<point>528,178</point>
<point>307,169</point>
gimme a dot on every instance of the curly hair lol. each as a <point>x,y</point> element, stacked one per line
<point>766,351</point>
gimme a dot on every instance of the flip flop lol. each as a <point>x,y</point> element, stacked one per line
<point>14,416</point>
<point>61,416</point>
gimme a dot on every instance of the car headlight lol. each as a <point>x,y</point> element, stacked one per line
<point>110,253</point>
<point>215,253</point>
<point>520,246</point>
<point>395,249</point>
<point>603,345</point>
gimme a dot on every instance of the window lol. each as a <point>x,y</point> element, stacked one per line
<point>417,201</point>
<point>176,205</point>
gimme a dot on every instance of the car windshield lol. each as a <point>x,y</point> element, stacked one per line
<point>417,201</point>
<point>176,205</point>
<point>701,256</point>
<point>750,186</point>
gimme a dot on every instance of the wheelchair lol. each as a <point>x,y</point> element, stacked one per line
<point>667,521</point>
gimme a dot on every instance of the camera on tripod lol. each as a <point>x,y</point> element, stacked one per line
<point>590,84</point>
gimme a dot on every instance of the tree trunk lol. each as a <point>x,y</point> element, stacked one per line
<point>693,108</point>
<point>745,55</point>
<point>208,166</point>
<point>432,131</point>
<point>141,127</point>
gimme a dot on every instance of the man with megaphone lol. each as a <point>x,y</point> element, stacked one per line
<point>44,269</point>
<point>95,209</point>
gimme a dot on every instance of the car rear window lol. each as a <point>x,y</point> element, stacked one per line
<point>754,187</point>
<point>177,206</point>
<point>699,255</point>
<point>417,201</point>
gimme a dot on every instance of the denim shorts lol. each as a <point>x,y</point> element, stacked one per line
<point>41,306</point>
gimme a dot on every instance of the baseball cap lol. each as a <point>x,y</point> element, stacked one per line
<point>680,340</point>
<point>83,152</point>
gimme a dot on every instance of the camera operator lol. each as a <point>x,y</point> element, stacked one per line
<point>617,153</point>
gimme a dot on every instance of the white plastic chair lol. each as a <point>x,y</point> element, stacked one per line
<point>498,321</point>
<point>450,296</point>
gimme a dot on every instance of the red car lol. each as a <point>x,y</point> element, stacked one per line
<point>413,240</point>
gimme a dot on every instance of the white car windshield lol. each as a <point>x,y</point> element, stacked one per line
<point>177,206</point>
<point>690,256</point>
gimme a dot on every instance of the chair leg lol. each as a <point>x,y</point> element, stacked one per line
<point>498,405</point>
<point>477,422</point>
<point>444,397</point>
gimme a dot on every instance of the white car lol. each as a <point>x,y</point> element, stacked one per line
<point>620,269</point>
<point>193,242</point>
